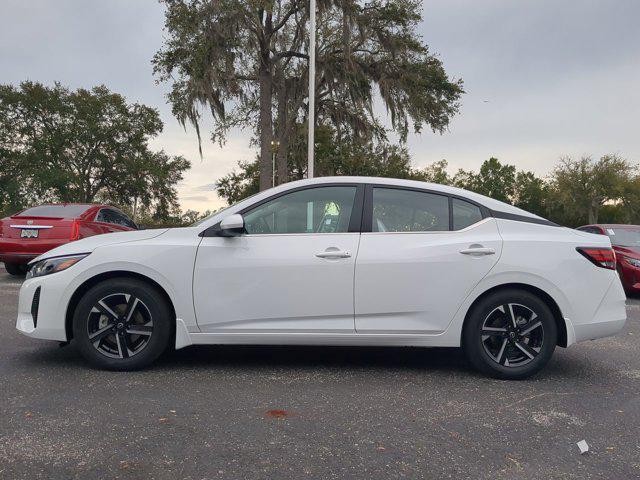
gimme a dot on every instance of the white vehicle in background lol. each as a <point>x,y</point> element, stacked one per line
<point>334,261</point>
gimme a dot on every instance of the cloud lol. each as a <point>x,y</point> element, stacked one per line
<point>195,198</point>
<point>210,187</point>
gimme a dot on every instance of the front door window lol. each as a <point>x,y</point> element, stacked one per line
<point>313,210</point>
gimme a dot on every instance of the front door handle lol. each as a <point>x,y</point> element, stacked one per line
<point>477,251</point>
<point>333,252</point>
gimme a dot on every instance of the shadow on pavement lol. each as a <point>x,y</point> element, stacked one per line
<point>438,361</point>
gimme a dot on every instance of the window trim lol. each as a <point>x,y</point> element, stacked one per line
<point>355,222</point>
<point>522,218</point>
<point>367,211</point>
<point>362,214</point>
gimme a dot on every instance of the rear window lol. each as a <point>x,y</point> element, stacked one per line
<point>53,211</point>
<point>624,237</point>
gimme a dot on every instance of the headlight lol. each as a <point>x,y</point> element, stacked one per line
<point>633,261</point>
<point>53,265</point>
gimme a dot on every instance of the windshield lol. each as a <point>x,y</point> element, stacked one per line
<point>209,216</point>
<point>202,220</point>
<point>624,237</point>
<point>55,211</point>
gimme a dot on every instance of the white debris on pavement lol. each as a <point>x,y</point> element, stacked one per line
<point>584,448</point>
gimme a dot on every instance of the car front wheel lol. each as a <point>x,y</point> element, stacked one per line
<point>510,334</point>
<point>122,324</point>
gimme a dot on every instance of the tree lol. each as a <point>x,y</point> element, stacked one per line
<point>238,185</point>
<point>247,62</point>
<point>332,158</point>
<point>628,209</point>
<point>175,218</point>
<point>494,180</point>
<point>82,146</point>
<point>437,172</point>
<point>530,193</point>
<point>582,187</point>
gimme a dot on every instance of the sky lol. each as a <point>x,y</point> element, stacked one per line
<point>543,79</point>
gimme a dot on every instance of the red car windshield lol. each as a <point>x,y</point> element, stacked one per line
<point>624,237</point>
<point>55,211</point>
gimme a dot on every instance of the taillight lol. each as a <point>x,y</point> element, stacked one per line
<point>75,231</point>
<point>602,257</point>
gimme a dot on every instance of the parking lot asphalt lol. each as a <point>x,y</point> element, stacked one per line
<point>315,412</point>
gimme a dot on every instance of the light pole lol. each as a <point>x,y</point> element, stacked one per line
<point>275,145</point>
<point>312,85</point>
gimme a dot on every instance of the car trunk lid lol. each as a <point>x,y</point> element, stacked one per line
<point>31,227</point>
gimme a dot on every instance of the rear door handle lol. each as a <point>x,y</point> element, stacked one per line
<point>334,253</point>
<point>478,251</point>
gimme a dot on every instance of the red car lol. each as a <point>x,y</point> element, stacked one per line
<point>33,231</point>
<point>625,240</point>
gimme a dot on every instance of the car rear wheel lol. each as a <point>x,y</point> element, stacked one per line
<point>122,324</point>
<point>510,334</point>
<point>15,269</point>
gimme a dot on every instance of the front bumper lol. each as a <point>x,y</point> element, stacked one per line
<point>50,321</point>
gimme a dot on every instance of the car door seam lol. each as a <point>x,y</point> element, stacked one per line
<point>471,290</point>
<point>193,277</point>
<point>353,283</point>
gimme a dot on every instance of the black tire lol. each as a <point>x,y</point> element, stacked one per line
<point>497,347</point>
<point>15,269</point>
<point>150,317</point>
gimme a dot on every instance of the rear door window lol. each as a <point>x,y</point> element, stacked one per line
<point>122,220</point>
<point>106,215</point>
<point>464,214</point>
<point>398,210</point>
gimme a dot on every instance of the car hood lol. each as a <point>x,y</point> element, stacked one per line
<point>633,252</point>
<point>89,244</point>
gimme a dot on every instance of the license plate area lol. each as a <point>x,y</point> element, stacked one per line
<point>29,233</point>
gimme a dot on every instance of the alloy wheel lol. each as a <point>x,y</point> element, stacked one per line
<point>119,325</point>
<point>512,335</point>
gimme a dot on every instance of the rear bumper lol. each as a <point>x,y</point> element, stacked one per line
<point>17,258</point>
<point>610,316</point>
<point>15,251</point>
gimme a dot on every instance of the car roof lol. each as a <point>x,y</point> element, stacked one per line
<point>91,208</point>
<point>488,202</point>
<point>611,225</point>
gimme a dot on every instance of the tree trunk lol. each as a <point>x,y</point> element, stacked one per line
<point>593,213</point>
<point>282,167</point>
<point>266,126</point>
<point>282,129</point>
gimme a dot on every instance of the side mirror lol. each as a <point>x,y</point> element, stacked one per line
<point>231,226</point>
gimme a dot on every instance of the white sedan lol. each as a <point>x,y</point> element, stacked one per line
<point>334,261</point>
